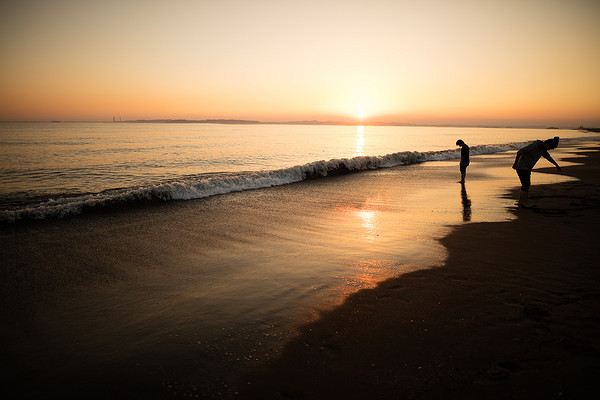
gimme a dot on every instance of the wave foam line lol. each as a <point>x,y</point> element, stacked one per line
<point>211,186</point>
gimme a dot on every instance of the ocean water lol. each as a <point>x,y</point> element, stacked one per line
<point>59,169</point>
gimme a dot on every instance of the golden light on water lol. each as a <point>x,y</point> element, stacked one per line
<point>367,217</point>
<point>360,140</point>
<point>368,272</point>
<point>369,223</point>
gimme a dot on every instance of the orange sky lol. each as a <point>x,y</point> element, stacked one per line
<point>423,61</point>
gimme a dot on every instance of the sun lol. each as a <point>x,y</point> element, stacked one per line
<point>361,114</point>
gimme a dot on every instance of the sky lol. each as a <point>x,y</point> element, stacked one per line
<point>472,62</point>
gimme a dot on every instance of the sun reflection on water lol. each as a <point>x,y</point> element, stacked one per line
<point>360,140</point>
<point>367,274</point>
<point>369,223</point>
<point>368,216</point>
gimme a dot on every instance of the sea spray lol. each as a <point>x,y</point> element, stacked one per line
<point>206,185</point>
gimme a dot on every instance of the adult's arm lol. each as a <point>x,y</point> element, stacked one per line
<point>548,157</point>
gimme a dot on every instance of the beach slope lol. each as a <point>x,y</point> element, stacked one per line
<point>513,313</point>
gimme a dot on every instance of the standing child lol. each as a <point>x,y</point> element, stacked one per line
<point>464,159</point>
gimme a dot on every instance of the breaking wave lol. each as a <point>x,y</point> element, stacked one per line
<point>202,186</point>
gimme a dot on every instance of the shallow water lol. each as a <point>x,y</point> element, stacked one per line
<point>61,161</point>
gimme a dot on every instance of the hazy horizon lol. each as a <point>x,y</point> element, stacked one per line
<point>234,121</point>
<point>483,63</point>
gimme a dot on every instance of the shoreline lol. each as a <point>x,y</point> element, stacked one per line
<point>178,299</point>
<point>513,313</point>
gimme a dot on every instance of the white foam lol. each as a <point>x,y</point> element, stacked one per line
<point>203,186</point>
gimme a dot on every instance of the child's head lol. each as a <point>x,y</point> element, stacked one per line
<point>459,142</point>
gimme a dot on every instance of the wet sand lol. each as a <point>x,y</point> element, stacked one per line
<point>178,300</point>
<point>514,313</point>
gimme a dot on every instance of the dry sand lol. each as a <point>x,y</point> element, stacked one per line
<point>514,313</point>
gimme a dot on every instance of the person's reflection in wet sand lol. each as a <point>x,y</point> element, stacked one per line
<point>466,203</point>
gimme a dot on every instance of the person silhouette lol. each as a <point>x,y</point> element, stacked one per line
<point>526,159</point>
<point>464,159</point>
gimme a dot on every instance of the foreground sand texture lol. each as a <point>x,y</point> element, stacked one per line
<point>514,313</point>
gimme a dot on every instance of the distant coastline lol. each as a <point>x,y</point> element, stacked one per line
<point>344,123</point>
<point>582,128</point>
<point>316,122</point>
<point>195,121</point>
<point>248,122</point>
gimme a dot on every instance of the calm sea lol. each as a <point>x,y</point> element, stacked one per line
<point>57,169</point>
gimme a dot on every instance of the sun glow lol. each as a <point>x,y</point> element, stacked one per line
<point>361,114</point>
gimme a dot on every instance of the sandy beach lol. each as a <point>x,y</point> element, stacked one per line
<point>512,314</point>
<point>246,295</point>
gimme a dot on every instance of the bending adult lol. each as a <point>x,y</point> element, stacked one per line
<point>526,159</point>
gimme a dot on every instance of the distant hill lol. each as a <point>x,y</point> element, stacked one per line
<point>583,128</point>
<point>197,121</point>
<point>316,122</point>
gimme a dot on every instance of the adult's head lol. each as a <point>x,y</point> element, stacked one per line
<point>552,143</point>
<point>459,142</point>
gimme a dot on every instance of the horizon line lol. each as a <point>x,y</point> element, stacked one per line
<point>227,121</point>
